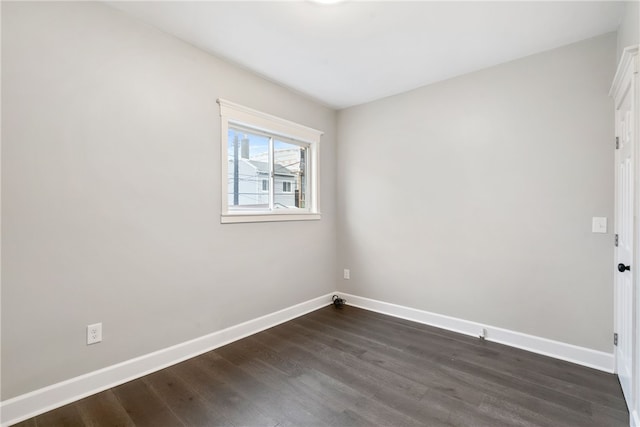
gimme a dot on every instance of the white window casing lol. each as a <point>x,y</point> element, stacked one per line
<point>233,114</point>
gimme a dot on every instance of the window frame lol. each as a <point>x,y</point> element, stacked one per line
<point>235,114</point>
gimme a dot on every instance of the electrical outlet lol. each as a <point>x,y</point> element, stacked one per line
<point>94,333</point>
<point>347,274</point>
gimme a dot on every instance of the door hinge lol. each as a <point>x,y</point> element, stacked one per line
<point>615,339</point>
<point>616,241</point>
<point>617,142</point>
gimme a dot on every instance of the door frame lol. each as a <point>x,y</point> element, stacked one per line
<point>627,74</point>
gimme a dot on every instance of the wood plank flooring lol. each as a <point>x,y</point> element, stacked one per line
<point>352,367</point>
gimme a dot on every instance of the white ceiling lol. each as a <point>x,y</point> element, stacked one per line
<point>354,52</point>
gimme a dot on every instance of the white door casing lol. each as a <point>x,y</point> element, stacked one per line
<point>624,254</point>
<point>625,93</point>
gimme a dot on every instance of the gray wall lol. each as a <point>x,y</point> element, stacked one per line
<point>473,197</point>
<point>629,31</point>
<point>111,195</point>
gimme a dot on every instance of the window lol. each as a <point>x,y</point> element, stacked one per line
<point>269,167</point>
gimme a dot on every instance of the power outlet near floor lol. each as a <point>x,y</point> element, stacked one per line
<point>347,274</point>
<point>94,333</point>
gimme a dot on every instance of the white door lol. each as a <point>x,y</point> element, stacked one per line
<point>625,268</point>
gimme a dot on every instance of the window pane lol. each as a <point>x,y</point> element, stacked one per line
<point>269,167</point>
<point>248,170</point>
<point>289,175</point>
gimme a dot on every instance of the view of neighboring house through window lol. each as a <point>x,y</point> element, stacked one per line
<point>269,169</point>
<point>265,172</point>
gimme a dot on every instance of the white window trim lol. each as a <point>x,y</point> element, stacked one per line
<point>233,113</point>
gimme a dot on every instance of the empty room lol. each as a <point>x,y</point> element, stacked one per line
<point>320,213</point>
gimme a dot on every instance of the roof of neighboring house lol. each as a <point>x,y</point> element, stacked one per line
<point>263,167</point>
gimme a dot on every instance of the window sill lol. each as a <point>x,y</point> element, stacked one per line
<point>263,217</point>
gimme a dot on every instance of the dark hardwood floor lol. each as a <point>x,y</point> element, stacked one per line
<point>354,367</point>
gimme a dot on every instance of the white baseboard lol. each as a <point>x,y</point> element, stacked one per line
<point>559,350</point>
<point>45,399</point>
